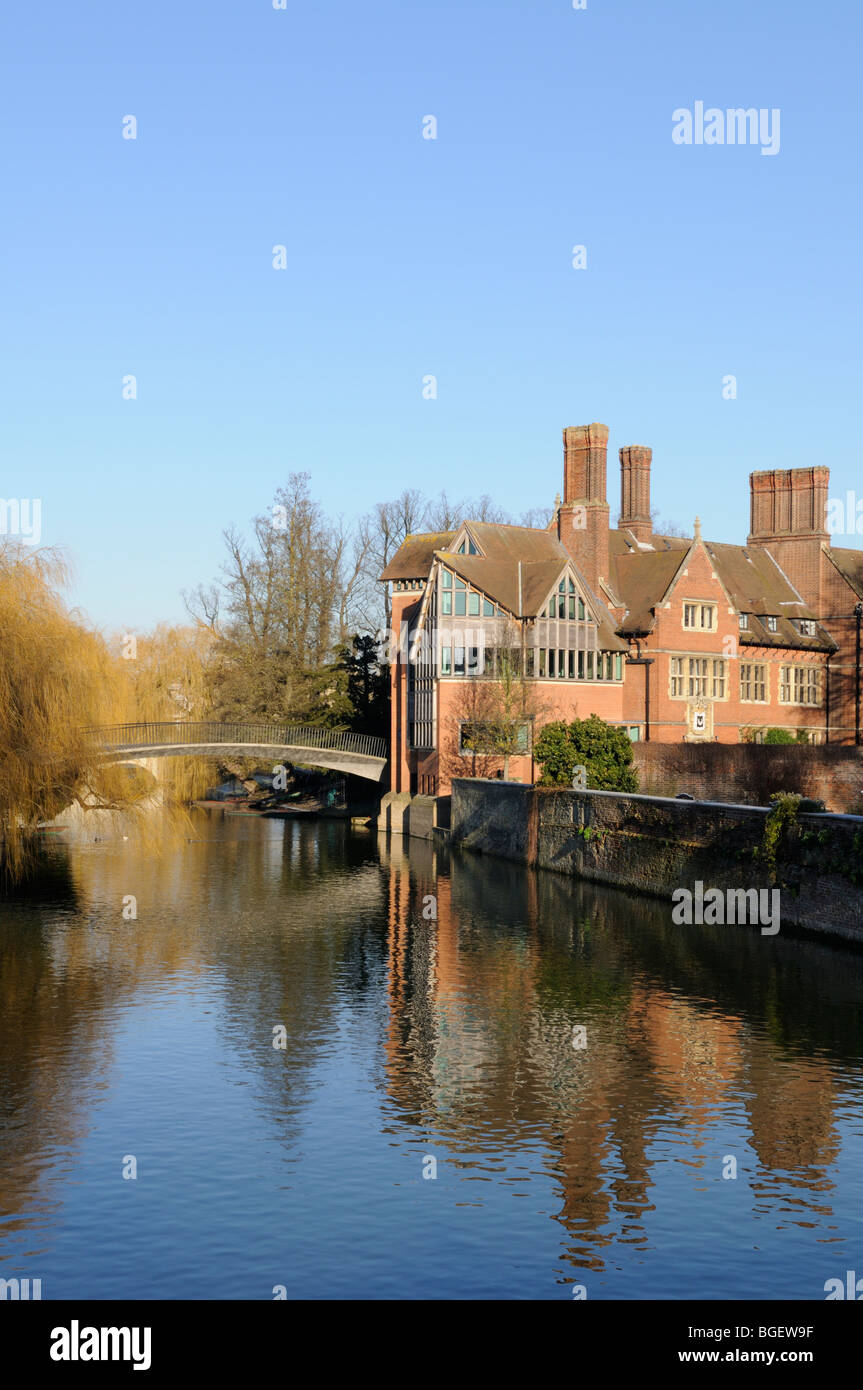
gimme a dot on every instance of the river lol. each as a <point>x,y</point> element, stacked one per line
<point>297,1059</point>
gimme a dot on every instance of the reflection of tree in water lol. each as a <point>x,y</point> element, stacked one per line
<point>69,964</point>
<point>301,924</point>
<point>301,950</point>
<point>683,1027</point>
<point>39,1009</point>
<point>265,914</point>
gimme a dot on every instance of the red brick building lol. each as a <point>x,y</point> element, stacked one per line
<point>672,638</point>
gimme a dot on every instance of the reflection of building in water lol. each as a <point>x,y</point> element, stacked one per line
<point>479,1041</point>
<point>694,1055</point>
<point>791,1111</point>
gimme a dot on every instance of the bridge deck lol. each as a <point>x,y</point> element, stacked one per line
<point>363,754</point>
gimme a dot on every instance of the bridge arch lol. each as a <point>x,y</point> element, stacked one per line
<point>361,755</point>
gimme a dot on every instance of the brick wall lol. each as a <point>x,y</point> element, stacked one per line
<point>726,716</point>
<point>748,773</point>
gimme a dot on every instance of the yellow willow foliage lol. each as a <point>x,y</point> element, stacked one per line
<point>59,679</point>
<point>53,675</point>
<point>163,675</point>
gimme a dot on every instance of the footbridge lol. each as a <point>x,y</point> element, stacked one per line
<point>359,754</point>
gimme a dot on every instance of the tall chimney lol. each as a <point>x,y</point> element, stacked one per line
<point>584,459</point>
<point>786,502</point>
<point>582,518</point>
<point>788,515</point>
<point>635,462</point>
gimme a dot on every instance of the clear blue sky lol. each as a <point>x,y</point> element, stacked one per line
<point>408,256</point>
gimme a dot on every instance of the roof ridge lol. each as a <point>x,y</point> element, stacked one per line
<point>510,525</point>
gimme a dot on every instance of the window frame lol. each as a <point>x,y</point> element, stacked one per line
<point>698,608</point>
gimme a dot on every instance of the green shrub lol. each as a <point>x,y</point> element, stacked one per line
<point>776,736</point>
<point>605,752</point>
<point>554,750</point>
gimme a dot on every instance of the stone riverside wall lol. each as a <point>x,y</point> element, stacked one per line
<point>748,773</point>
<point>655,845</point>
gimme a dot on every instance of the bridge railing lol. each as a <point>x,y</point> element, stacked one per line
<point>182,732</point>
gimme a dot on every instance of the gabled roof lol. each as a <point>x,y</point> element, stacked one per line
<point>525,543</point>
<point>539,577</point>
<point>496,571</point>
<point>499,580</point>
<point>756,585</point>
<point>641,578</point>
<point>749,575</point>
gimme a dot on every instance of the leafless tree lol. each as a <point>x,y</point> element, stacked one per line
<point>281,610</point>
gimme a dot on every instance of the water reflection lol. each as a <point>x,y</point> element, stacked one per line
<point>429,1004</point>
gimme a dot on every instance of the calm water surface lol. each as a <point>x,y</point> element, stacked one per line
<point>410,1044</point>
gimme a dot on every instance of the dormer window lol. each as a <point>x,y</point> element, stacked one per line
<point>744,622</point>
<point>807,627</point>
<point>772,624</point>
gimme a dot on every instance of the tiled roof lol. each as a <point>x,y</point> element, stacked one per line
<point>498,578</point>
<point>757,586</point>
<point>414,557</point>
<point>850,565</point>
<point>750,576</point>
<point>641,575</point>
<point>496,571</point>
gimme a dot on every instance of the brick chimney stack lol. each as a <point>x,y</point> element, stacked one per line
<point>582,519</point>
<point>788,515</point>
<point>635,462</point>
<point>787,502</point>
<point>585,448</point>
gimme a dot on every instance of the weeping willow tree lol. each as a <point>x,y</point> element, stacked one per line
<point>59,680</point>
<point>54,673</point>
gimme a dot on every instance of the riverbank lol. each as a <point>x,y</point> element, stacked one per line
<point>659,846</point>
